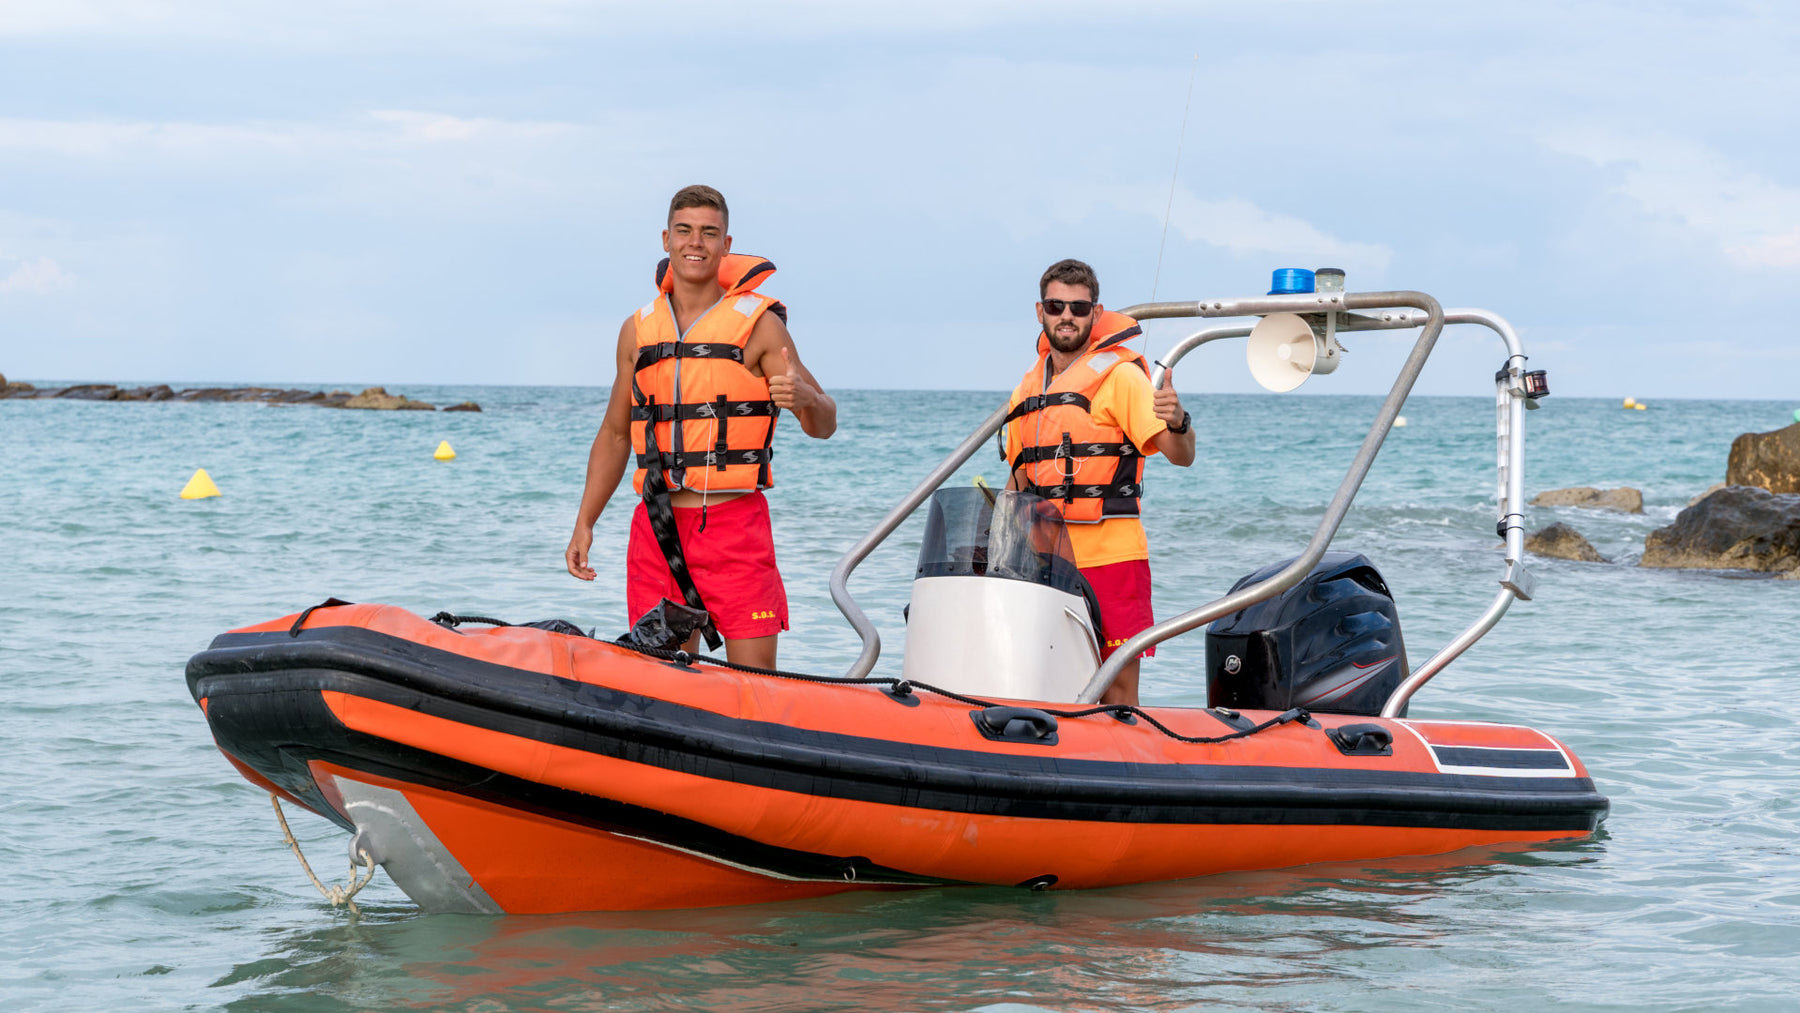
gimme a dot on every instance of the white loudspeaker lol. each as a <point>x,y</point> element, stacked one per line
<point>1283,351</point>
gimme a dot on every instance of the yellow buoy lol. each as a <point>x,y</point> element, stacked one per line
<point>1399,422</point>
<point>443,452</point>
<point>1631,402</point>
<point>1641,406</point>
<point>200,486</point>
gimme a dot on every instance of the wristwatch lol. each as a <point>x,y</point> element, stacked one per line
<point>1181,430</point>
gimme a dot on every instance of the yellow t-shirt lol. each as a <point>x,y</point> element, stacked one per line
<point>1126,400</point>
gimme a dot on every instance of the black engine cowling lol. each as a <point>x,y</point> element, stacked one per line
<point>1330,643</point>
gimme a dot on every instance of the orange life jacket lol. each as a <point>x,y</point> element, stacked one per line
<point>698,413</point>
<point>1089,470</point>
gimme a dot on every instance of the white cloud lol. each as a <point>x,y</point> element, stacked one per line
<point>1243,229</point>
<point>1754,221</point>
<point>36,277</point>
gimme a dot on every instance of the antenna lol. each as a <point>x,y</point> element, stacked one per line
<point>1180,139</point>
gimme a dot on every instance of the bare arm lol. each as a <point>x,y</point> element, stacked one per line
<point>771,353</point>
<point>607,457</point>
<point>1177,447</point>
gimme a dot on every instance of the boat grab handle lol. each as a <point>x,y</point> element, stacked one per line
<point>1015,724</point>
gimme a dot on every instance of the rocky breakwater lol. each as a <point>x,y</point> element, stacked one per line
<point>371,399</point>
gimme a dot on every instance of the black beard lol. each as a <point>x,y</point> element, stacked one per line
<point>1067,345</point>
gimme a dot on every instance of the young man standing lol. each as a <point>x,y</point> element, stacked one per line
<point>703,372</point>
<point>1081,423</point>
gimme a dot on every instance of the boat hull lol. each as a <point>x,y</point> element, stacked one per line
<point>517,770</point>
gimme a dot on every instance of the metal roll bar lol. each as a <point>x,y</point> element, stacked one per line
<point>1340,501</point>
<point>1516,583</point>
<point>1511,405</point>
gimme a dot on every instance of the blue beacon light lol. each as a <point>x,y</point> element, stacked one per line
<point>1291,281</point>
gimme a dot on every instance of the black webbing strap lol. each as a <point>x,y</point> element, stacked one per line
<point>333,602</point>
<point>721,446</point>
<point>703,410</point>
<point>1032,455</point>
<point>762,473</point>
<point>671,460</point>
<point>661,514</point>
<point>1039,402</point>
<point>649,355</point>
<point>1070,491</point>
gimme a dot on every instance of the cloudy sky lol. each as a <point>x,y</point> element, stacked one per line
<point>421,192</point>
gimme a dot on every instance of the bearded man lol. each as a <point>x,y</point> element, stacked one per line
<point>1081,424</point>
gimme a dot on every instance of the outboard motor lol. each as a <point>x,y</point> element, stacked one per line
<point>1330,643</point>
<point>998,607</point>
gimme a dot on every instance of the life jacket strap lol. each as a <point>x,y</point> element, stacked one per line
<point>661,514</point>
<point>1032,455</point>
<point>1039,402</point>
<point>651,354</point>
<point>672,460</point>
<point>703,411</point>
<point>1069,491</point>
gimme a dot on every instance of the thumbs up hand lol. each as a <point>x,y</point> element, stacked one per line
<point>788,389</point>
<point>1168,403</point>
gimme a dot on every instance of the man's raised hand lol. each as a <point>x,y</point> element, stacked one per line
<point>788,389</point>
<point>1168,403</point>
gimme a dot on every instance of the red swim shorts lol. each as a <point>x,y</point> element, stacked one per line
<point>732,563</point>
<point>1124,592</point>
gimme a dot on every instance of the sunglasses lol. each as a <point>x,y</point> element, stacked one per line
<point>1079,307</point>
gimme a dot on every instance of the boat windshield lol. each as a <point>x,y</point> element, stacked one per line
<point>975,532</point>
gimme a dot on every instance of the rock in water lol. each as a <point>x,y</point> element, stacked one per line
<point>466,406</point>
<point>1623,498</point>
<point>1559,541</point>
<point>1737,528</point>
<point>378,399</point>
<point>1697,497</point>
<point>91,392</point>
<point>1766,460</point>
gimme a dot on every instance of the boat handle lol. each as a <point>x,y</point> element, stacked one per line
<point>1016,724</point>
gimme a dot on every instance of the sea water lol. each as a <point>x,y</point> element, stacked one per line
<point>141,872</point>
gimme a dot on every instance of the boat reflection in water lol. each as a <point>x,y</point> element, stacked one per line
<point>1163,946</point>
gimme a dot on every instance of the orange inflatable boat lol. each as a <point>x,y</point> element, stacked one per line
<point>521,770</point>
<point>497,768</point>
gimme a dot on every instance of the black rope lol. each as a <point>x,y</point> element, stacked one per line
<point>904,687</point>
<point>453,621</point>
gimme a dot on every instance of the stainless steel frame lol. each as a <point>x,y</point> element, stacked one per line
<point>1385,311</point>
